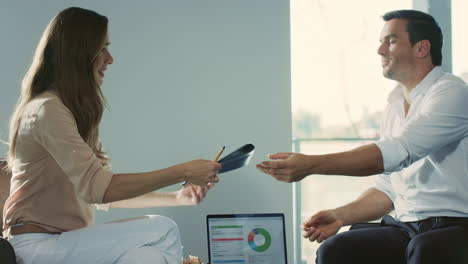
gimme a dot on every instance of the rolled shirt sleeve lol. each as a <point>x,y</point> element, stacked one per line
<point>443,119</point>
<point>55,129</point>
<point>383,184</point>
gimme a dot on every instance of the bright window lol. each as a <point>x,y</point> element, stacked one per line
<point>460,38</point>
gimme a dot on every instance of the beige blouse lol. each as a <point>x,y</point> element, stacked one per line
<point>5,177</point>
<point>56,177</point>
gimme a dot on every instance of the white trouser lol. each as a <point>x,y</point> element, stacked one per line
<point>149,239</point>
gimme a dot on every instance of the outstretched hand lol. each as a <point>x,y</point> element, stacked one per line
<point>286,166</point>
<point>192,194</point>
<point>321,226</point>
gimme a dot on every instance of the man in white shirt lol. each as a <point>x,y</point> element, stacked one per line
<point>422,159</point>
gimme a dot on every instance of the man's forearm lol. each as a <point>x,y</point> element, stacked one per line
<point>370,205</point>
<point>362,161</point>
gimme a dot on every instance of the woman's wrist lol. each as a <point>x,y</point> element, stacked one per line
<point>179,171</point>
<point>175,198</point>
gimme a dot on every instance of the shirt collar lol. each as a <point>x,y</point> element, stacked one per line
<point>427,82</point>
<point>421,88</point>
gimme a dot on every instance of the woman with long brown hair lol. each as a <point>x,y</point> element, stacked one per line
<point>59,168</point>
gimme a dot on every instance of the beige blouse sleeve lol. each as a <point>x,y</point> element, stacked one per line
<point>54,127</point>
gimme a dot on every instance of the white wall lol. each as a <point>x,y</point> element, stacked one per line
<point>188,78</point>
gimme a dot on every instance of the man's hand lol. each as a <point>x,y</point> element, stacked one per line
<point>321,226</point>
<point>192,194</point>
<point>286,166</point>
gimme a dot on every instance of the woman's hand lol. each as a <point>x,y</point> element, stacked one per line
<point>192,194</point>
<point>200,172</point>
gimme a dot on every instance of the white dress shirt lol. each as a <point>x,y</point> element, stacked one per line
<point>425,153</point>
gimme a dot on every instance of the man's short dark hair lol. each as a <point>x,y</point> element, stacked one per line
<point>421,26</point>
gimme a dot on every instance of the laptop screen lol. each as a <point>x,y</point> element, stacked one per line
<point>246,238</point>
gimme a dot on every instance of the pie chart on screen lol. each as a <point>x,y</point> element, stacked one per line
<point>259,239</point>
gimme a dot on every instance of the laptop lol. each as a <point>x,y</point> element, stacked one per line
<point>246,238</point>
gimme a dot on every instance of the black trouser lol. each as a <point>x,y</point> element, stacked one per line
<point>441,240</point>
